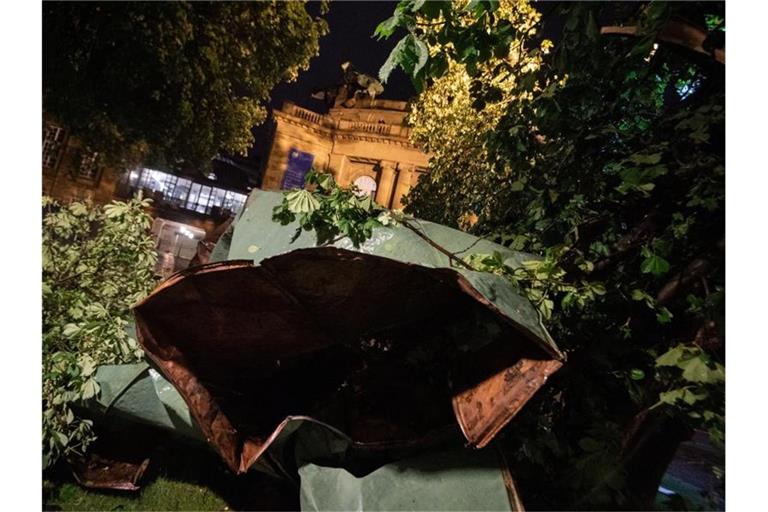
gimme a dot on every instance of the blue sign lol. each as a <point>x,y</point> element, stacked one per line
<point>299,164</point>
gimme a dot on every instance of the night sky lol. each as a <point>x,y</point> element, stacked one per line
<point>351,26</point>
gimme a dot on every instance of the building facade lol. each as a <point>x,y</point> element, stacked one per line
<point>366,144</point>
<point>187,210</point>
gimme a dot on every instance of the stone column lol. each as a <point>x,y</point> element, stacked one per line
<point>336,167</point>
<point>386,183</point>
<point>404,183</point>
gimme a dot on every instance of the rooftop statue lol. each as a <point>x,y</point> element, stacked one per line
<point>352,86</point>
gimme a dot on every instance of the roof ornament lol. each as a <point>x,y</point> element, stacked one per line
<point>352,86</point>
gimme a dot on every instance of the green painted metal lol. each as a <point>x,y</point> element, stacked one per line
<point>457,479</point>
<point>322,460</point>
<point>254,236</point>
<point>453,480</point>
<point>140,393</point>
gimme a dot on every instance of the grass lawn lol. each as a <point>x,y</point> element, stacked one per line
<point>180,477</point>
<point>161,494</point>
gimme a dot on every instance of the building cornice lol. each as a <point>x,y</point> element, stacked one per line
<point>343,134</point>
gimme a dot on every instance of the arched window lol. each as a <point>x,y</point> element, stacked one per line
<point>366,185</point>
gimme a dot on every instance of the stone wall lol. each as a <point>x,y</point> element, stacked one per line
<point>62,182</point>
<point>369,140</point>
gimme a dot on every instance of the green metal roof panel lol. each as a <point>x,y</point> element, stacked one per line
<point>255,236</point>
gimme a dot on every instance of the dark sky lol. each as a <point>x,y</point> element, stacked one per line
<point>351,25</point>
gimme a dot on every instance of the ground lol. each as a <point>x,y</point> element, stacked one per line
<point>180,477</point>
<point>162,494</point>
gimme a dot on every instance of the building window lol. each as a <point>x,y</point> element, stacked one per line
<point>89,166</point>
<point>53,143</point>
<point>184,193</point>
<point>233,201</point>
<point>180,192</point>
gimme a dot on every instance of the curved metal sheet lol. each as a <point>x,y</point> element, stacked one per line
<point>394,354</point>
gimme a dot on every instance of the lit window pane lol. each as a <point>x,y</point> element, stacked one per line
<point>218,197</point>
<point>147,179</point>
<point>181,190</point>
<point>194,193</point>
<point>202,201</point>
<point>238,202</point>
<point>133,178</point>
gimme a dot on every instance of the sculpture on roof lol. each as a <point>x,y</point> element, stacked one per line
<point>353,85</point>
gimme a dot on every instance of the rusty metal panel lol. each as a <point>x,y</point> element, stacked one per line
<point>341,337</point>
<point>485,408</point>
<point>97,471</point>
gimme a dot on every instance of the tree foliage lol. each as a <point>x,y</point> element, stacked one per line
<point>604,154</point>
<point>331,211</point>
<point>97,262</point>
<point>171,82</point>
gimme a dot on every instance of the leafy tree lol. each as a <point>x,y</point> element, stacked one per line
<point>604,154</point>
<point>97,263</point>
<point>170,82</point>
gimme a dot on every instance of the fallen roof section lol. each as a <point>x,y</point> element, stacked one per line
<point>386,343</point>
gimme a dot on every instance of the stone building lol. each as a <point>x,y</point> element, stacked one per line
<point>187,209</point>
<point>365,143</point>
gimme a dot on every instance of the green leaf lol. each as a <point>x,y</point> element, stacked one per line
<point>685,395</point>
<point>651,159</point>
<point>664,316</point>
<point>87,366</point>
<point>395,58</point>
<point>325,181</point>
<point>62,438</point>
<point>70,330</point>
<point>655,265</point>
<point>597,288</point>
<point>432,9</point>
<point>697,370</point>
<point>302,201</point>
<point>636,374</point>
<point>671,357</point>
<point>422,54</point>
<point>115,209</point>
<point>646,187</point>
<point>387,27</point>
<point>78,209</point>
<point>89,389</point>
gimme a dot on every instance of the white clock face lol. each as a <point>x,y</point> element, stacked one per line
<point>365,185</point>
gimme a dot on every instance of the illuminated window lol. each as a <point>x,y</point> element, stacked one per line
<point>194,193</point>
<point>53,143</point>
<point>203,201</point>
<point>184,193</point>
<point>233,201</point>
<point>180,193</point>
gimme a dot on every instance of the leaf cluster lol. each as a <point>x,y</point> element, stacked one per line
<point>331,211</point>
<point>170,83</point>
<point>604,157</point>
<point>97,263</point>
